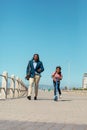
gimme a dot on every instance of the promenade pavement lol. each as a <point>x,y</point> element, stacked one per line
<point>69,113</point>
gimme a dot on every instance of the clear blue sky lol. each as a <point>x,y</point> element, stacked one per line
<point>55,29</point>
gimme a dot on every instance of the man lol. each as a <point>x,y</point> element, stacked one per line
<point>34,70</point>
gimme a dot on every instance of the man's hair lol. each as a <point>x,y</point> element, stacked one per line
<point>37,56</point>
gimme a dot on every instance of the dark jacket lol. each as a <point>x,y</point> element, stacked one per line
<point>30,68</point>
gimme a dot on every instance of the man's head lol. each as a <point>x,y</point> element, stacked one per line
<point>36,57</point>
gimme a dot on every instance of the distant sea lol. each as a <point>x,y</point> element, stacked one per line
<point>46,87</point>
<point>42,86</point>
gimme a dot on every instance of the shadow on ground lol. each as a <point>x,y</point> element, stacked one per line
<point>59,100</point>
<point>27,125</point>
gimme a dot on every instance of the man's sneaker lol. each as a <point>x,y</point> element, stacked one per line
<point>35,98</point>
<point>29,97</point>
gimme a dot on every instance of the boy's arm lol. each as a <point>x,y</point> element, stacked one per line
<point>60,77</point>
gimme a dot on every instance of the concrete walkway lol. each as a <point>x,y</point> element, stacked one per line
<point>69,113</point>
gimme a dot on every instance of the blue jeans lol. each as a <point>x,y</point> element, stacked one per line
<point>56,87</point>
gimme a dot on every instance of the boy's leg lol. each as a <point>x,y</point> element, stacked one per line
<point>55,91</point>
<point>54,84</point>
<point>59,90</point>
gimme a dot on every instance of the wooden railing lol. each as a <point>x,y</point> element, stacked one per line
<point>11,87</point>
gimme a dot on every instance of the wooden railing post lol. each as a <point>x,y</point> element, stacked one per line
<point>23,89</point>
<point>19,86</point>
<point>13,89</point>
<point>4,85</point>
<point>16,93</point>
<point>12,86</point>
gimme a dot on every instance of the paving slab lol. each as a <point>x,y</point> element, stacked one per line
<point>68,113</point>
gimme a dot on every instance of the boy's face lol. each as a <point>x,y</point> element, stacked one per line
<point>58,70</point>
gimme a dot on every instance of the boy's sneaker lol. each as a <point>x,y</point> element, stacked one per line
<point>60,96</point>
<point>55,98</point>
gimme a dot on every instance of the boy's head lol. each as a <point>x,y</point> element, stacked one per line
<point>58,69</point>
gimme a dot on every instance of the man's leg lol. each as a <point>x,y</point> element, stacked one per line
<point>37,79</point>
<point>31,82</point>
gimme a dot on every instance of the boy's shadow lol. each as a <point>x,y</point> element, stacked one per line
<point>50,99</point>
<point>65,100</point>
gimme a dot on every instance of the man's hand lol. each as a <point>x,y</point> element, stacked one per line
<point>39,70</point>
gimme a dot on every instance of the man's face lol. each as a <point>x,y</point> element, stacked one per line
<point>35,57</point>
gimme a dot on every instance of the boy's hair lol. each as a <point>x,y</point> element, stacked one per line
<point>58,67</point>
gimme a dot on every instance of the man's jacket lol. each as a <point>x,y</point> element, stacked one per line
<point>30,68</point>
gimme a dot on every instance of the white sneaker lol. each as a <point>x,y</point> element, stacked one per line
<point>60,96</point>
